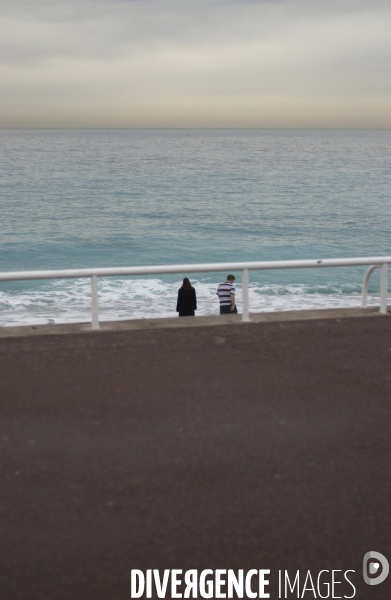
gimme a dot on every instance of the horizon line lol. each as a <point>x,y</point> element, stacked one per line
<point>196,128</point>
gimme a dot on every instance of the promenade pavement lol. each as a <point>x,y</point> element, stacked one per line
<point>236,446</point>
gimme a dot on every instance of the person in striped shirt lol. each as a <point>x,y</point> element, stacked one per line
<point>226,294</point>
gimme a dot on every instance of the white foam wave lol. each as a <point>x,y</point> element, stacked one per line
<point>119,299</point>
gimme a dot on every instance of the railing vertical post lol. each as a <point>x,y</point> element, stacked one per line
<point>245,313</point>
<point>383,288</point>
<point>94,302</point>
<point>365,285</point>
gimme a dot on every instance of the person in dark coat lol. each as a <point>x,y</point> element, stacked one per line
<point>187,300</point>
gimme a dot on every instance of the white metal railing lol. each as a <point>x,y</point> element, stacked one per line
<point>244,267</point>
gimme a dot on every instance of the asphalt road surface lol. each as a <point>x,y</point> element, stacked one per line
<point>254,446</point>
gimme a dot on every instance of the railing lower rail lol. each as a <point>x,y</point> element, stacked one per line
<point>381,262</point>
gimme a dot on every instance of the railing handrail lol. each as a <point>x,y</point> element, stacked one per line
<point>245,267</point>
<point>193,268</point>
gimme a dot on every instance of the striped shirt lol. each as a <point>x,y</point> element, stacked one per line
<point>224,292</point>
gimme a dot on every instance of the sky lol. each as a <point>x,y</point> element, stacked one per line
<point>195,63</point>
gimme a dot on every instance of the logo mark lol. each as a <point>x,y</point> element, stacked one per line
<point>375,564</point>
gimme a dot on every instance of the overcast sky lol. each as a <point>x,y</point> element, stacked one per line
<point>195,63</point>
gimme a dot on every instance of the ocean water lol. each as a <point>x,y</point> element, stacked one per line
<point>107,198</point>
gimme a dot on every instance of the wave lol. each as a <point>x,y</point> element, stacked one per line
<point>121,299</point>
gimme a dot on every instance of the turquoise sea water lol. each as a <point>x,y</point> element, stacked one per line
<point>102,198</point>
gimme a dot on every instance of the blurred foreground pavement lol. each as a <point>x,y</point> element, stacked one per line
<point>252,446</point>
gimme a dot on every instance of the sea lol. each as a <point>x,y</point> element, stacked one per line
<point>84,198</point>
